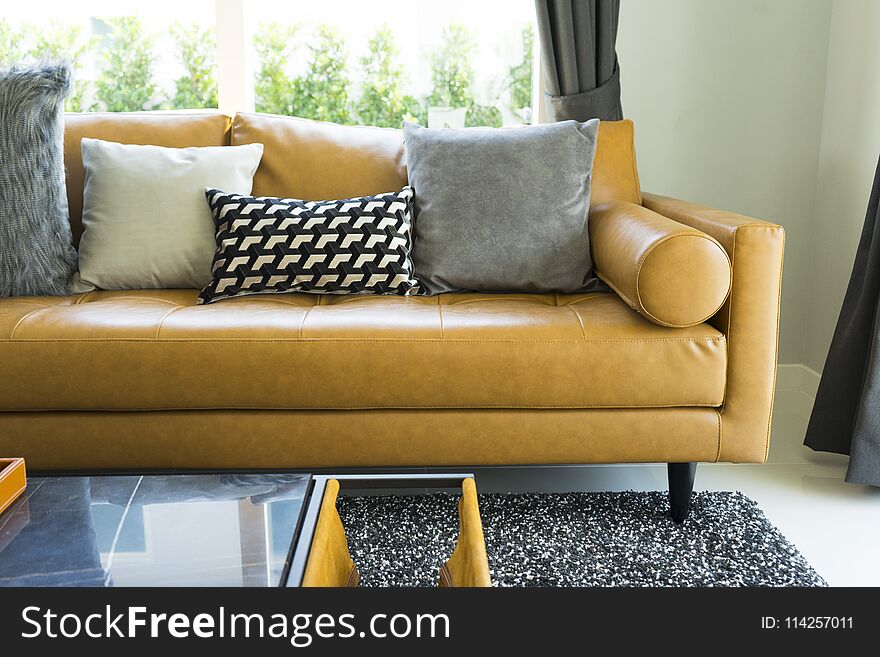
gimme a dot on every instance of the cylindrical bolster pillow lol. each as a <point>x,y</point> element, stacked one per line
<point>672,274</point>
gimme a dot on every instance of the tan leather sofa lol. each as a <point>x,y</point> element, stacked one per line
<point>653,372</point>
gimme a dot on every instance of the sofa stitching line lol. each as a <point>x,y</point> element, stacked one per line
<point>139,298</point>
<point>273,300</point>
<point>776,351</point>
<point>18,323</point>
<point>726,367</point>
<point>663,240</point>
<point>718,414</point>
<point>162,321</point>
<point>580,322</point>
<point>354,341</point>
<point>729,318</point>
<point>497,297</point>
<point>154,299</point>
<point>635,168</point>
<point>683,406</point>
<point>440,315</point>
<point>302,324</point>
<point>588,296</point>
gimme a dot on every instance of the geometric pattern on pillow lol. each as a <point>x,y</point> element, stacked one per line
<point>269,245</point>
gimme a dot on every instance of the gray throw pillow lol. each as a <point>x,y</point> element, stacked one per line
<point>145,220</point>
<point>502,210</point>
<point>36,253</point>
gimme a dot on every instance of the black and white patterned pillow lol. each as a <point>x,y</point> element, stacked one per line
<point>275,245</point>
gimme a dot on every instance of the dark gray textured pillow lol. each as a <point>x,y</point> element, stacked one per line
<point>36,253</point>
<point>502,210</point>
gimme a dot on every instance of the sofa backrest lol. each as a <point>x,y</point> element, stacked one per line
<point>309,159</point>
<point>314,160</point>
<point>173,129</point>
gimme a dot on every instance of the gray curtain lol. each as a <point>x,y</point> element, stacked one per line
<point>581,75</point>
<point>846,415</point>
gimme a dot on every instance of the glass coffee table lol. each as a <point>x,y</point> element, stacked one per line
<point>153,530</point>
<point>177,530</point>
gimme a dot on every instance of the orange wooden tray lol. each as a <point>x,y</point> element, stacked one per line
<point>12,481</point>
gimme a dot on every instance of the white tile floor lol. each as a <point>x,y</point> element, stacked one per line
<point>835,525</point>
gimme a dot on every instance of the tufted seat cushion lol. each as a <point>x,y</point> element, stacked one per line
<point>155,349</point>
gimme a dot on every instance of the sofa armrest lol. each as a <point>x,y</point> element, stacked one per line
<point>672,274</point>
<point>749,319</point>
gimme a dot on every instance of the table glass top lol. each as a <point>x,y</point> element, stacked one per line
<point>158,530</point>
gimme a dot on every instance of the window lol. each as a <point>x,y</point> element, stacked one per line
<point>442,63</point>
<point>127,55</point>
<point>455,62</point>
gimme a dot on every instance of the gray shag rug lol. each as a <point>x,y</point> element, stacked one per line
<point>576,539</point>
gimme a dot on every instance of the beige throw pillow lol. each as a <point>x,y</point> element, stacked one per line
<point>146,222</point>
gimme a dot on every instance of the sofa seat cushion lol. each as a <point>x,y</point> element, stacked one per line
<point>157,349</point>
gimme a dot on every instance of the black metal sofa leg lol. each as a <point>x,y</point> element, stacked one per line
<point>681,485</point>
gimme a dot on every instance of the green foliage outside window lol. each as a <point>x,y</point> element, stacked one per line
<point>452,76</point>
<point>126,83</point>
<point>382,101</point>
<point>321,93</point>
<point>127,79</point>
<point>56,42</point>
<point>273,91</point>
<point>196,51</point>
<point>322,90</point>
<point>65,42</point>
<point>451,70</point>
<point>12,47</point>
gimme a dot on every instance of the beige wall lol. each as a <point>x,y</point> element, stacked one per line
<point>727,99</point>
<point>847,158</point>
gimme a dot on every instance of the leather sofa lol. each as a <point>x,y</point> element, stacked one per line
<point>654,371</point>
